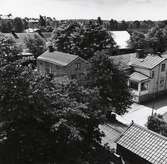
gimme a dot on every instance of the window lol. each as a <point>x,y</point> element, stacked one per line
<point>78,66</point>
<point>133,85</point>
<point>144,86</point>
<point>152,74</point>
<point>162,81</point>
<point>163,68</point>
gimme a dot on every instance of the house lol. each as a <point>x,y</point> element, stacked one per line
<point>138,145</point>
<point>147,74</point>
<point>61,64</point>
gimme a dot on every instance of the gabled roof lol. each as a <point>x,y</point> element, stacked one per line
<point>145,143</point>
<point>121,38</point>
<point>149,62</point>
<point>58,58</point>
<point>136,76</point>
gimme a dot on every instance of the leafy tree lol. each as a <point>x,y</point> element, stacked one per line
<point>18,25</point>
<point>35,44</point>
<point>157,124</point>
<point>137,41</point>
<point>111,83</point>
<point>9,50</point>
<point>82,40</point>
<point>6,26</point>
<point>42,21</point>
<point>41,122</point>
<point>155,40</point>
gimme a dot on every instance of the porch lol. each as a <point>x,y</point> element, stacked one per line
<point>139,83</point>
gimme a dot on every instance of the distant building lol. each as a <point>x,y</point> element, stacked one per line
<point>147,75</point>
<point>121,39</point>
<point>61,64</point>
<point>138,145</point>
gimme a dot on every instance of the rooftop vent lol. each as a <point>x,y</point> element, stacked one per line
<point>140,53</point>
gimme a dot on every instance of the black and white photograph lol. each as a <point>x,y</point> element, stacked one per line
<point>83,82</point>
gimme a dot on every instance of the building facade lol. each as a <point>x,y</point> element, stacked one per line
<point>147,74</point>
<point>149,78</point>
<point>62,65</point>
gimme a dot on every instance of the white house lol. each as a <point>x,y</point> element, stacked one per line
<point>148,75</point>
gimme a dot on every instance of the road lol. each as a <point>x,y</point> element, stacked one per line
<point>140,113</point>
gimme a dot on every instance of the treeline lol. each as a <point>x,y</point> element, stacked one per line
<point>46,24</point>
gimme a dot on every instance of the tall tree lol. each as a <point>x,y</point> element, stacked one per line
<point>42,21</point>
<point>111,82</point>
<point>83,40</point>
<point>18,24</point>
<point>41,122</point>
<point>36,45</point>
<point>9,50</point>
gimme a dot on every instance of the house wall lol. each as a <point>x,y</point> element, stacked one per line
<point>130,157</point>
<point>71,70</point>
<point>156,86</point>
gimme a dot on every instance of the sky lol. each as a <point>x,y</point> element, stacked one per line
<point>87,9</point>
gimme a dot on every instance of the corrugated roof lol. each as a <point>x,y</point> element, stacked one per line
<point>149,62</point>
<point>121,38</point>
<point>136,76</point>
<point>57,57</point>
<point>145,143</point>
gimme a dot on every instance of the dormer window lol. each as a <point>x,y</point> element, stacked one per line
<point>162,67</point>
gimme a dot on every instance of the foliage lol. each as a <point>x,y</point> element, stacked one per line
<point>35,44</point>
<point>6,26</point>
<point>9,50</point>
<point>82,40</point>
<point>111,83</point>
<point>157,124</point>
<point>43,122</point>
<point>18,25</point>
<point>155,40</point>
<point>42,21</point>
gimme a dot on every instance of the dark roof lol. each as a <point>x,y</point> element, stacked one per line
<point>57,57</point>
<point>149,62</point>
<point>145,143</point>
<point>136,76</point>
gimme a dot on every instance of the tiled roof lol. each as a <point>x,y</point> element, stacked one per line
<point>136,76</point>
<point>121,38</point>
<point>149,62</point>
<point>123,60</point>
<point>57,57</point>
<point>146,144</point>
<point>112,133</point>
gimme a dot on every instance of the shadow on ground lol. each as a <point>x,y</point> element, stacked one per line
<point>157,102</point>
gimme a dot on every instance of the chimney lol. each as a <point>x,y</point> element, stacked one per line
<point>51,48</point>
<point>140,53</point>
<point>159,54</point>
<point>14,34</point>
